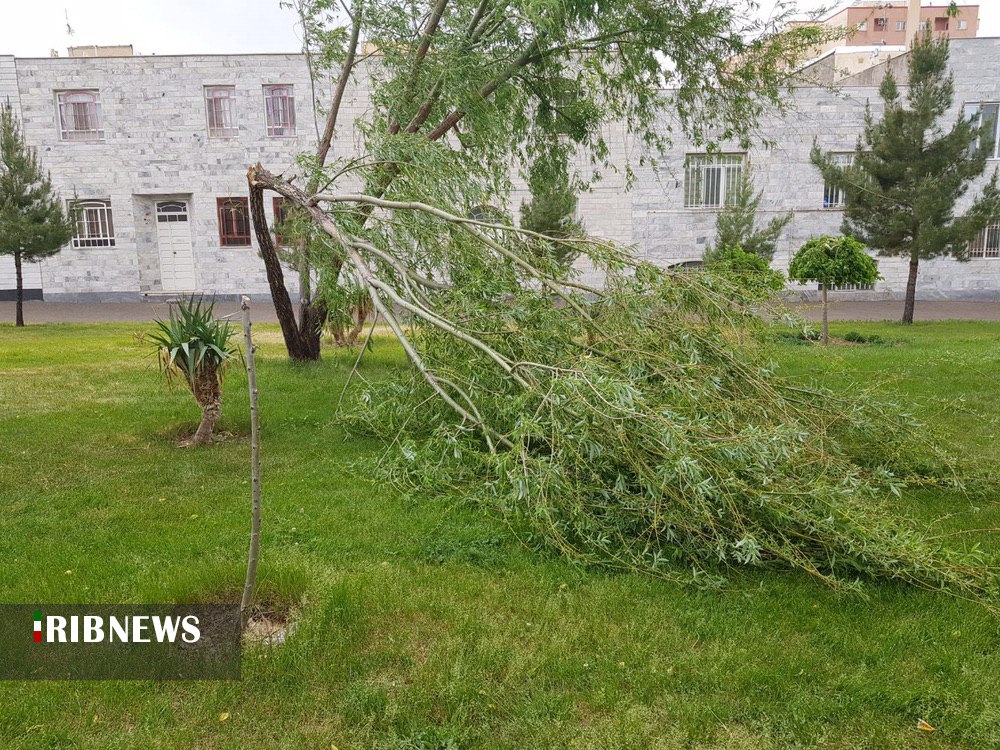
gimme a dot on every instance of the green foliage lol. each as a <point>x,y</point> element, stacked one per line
<point>833,261</point>
<point>33,222</point>
<point>659,441</point>
<point>191,342</point>
<point>750,270</point>
<point>552,208</point>
<point>859,338</point>
<point>908,173</point>
<point>736,227</point>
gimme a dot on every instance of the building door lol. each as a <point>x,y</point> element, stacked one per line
<point>173,238</point>
<point>31,279</point>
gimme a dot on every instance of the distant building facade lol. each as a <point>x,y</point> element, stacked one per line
<point>154,150</point>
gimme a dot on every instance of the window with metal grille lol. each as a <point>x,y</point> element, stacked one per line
<point>881,24</point>
<point>220,104</point>
<point>279,110</point>
<point>234,222</point>
<point>712,181</point>
<point>833,196</point>
<point>80,115</point>
<point>94,224</point>
<point>848,287</point>
<point>986,113</point>
<point>987,243</point>
<point>280,216</point>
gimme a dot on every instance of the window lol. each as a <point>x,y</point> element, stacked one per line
<point>280,216</point>
<point>881,24</point>
<point>900,25</point>
<point>985,113</point>
<point>987,243</point>
<point>80,115</point>
<point>711,180</point>
<point>963,25</point>
<point>847,288</point>
<point>94,225</point>
<point>279,110</point>
<point>221,108</point>
<point>941,23</point>
<point>923,26</point>
<point>234,222</point>
<point>833,197</point>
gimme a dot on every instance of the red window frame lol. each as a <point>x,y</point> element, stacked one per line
<point>79,115</point>
<point>280,215</point>
<point>234,221</point>
<point>279,110</point>
<point>220,109</point>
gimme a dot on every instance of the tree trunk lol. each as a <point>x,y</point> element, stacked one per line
<point>253,556</point>
<point>301,341</point>
<point>208,393</point>
<point>359,324</point>
<point>19,314</point>
<point>826,317</point>
<point>911,289</point>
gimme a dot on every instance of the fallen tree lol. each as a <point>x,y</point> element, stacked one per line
<point>632,422</point>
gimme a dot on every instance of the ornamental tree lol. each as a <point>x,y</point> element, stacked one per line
<point>908,173</point>
<point>833,261</point>
<point>33,221</point>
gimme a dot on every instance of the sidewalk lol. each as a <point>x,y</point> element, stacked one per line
<point>120,312</point>
<point>263,311</point>
<point>893,310</point>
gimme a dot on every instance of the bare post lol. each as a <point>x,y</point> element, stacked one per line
<point>254,554</point>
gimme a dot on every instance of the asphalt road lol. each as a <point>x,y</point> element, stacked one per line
<point>263,312</point>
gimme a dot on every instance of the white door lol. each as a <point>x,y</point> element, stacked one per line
<point>31,276</point>
<point>173,237</point>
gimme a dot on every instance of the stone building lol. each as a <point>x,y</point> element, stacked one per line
<point>155,148</point>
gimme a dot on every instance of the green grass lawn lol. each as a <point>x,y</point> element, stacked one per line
<point>426,625</point>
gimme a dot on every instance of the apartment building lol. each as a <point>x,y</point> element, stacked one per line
<point>154,151</point>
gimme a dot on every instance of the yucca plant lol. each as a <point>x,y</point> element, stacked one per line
<point>196,347</point>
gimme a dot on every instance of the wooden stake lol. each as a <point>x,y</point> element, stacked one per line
<point>254,554</point>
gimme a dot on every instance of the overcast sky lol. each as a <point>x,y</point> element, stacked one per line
<point>31,28</point>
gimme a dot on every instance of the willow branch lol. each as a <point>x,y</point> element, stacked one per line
<point>430,28</point>
<point>338,95</point>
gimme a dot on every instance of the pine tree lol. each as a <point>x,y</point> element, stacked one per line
<point>33,223</point>
<point>908,173</point>
<point>552,208</point>
<point>736,225</point>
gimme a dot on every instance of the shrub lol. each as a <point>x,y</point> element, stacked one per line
<point>192,345</point>
<point>751,271</point>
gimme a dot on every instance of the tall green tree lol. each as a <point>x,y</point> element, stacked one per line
<point>33,222</point>
<point>736,225</point>
<point>551,209</point>
<point>909,173</point>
